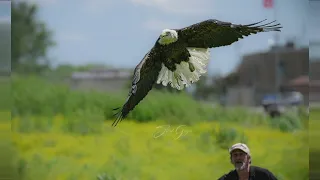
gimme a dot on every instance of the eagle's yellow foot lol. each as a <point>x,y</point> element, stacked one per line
<point>191,67</point>
<point>177,77</point>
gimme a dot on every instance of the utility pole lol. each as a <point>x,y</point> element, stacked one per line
<point>237,47</point>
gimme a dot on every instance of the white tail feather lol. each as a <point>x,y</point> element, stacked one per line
<point>182,76</point>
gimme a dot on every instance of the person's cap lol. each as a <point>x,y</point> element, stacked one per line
<point>240,146</point>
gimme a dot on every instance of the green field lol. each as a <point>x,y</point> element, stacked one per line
<point>314,126</point>
<point>314,145</point>
<point>61,145</point>
<point>132,152</point>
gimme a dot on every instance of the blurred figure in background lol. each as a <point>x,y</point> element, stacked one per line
<point>241,159</point>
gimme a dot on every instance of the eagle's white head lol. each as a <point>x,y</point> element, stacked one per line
<point>168,36</point>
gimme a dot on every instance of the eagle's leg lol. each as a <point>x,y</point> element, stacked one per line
<point>170,65</point>
<point>185,56</point>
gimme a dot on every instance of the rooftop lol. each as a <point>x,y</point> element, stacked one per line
<point>102,74</point>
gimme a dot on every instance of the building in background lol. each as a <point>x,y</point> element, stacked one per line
<point>314,51</point>
<point>260,74</point>
<point>101,80</point>
<point>314,70</point>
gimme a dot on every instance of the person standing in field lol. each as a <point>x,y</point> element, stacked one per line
<point>241,159</point>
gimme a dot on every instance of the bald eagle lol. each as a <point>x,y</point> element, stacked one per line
<point>180,56</point>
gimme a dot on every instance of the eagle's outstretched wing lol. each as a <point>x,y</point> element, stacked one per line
<point>145,75</point>
<point>215,33</point>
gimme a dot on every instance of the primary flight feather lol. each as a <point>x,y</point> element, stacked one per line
<point>180,56</point>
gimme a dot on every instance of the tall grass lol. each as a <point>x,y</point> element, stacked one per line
<point>33,96</point>
<point>5,94</point>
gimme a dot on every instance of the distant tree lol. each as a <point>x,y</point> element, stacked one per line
<point>215,85</point>
<point>5,48</point>
<point>30,39</point>
<point>203,88</point>
<point>222,83</point>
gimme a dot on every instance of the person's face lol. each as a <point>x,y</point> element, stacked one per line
<point>239,159</point>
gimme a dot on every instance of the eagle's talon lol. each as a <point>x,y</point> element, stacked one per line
<point>191,67</point>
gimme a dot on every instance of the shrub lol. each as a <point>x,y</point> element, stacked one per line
<point>286,122</point>
<point>226,136</point>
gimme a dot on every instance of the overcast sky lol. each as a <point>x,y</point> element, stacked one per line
<point>120,32</point>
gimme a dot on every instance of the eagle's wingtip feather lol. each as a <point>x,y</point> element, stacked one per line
<point>119,117</point>
<point>267,26</point>
<point>116,108</point>
<point>252,24</point>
